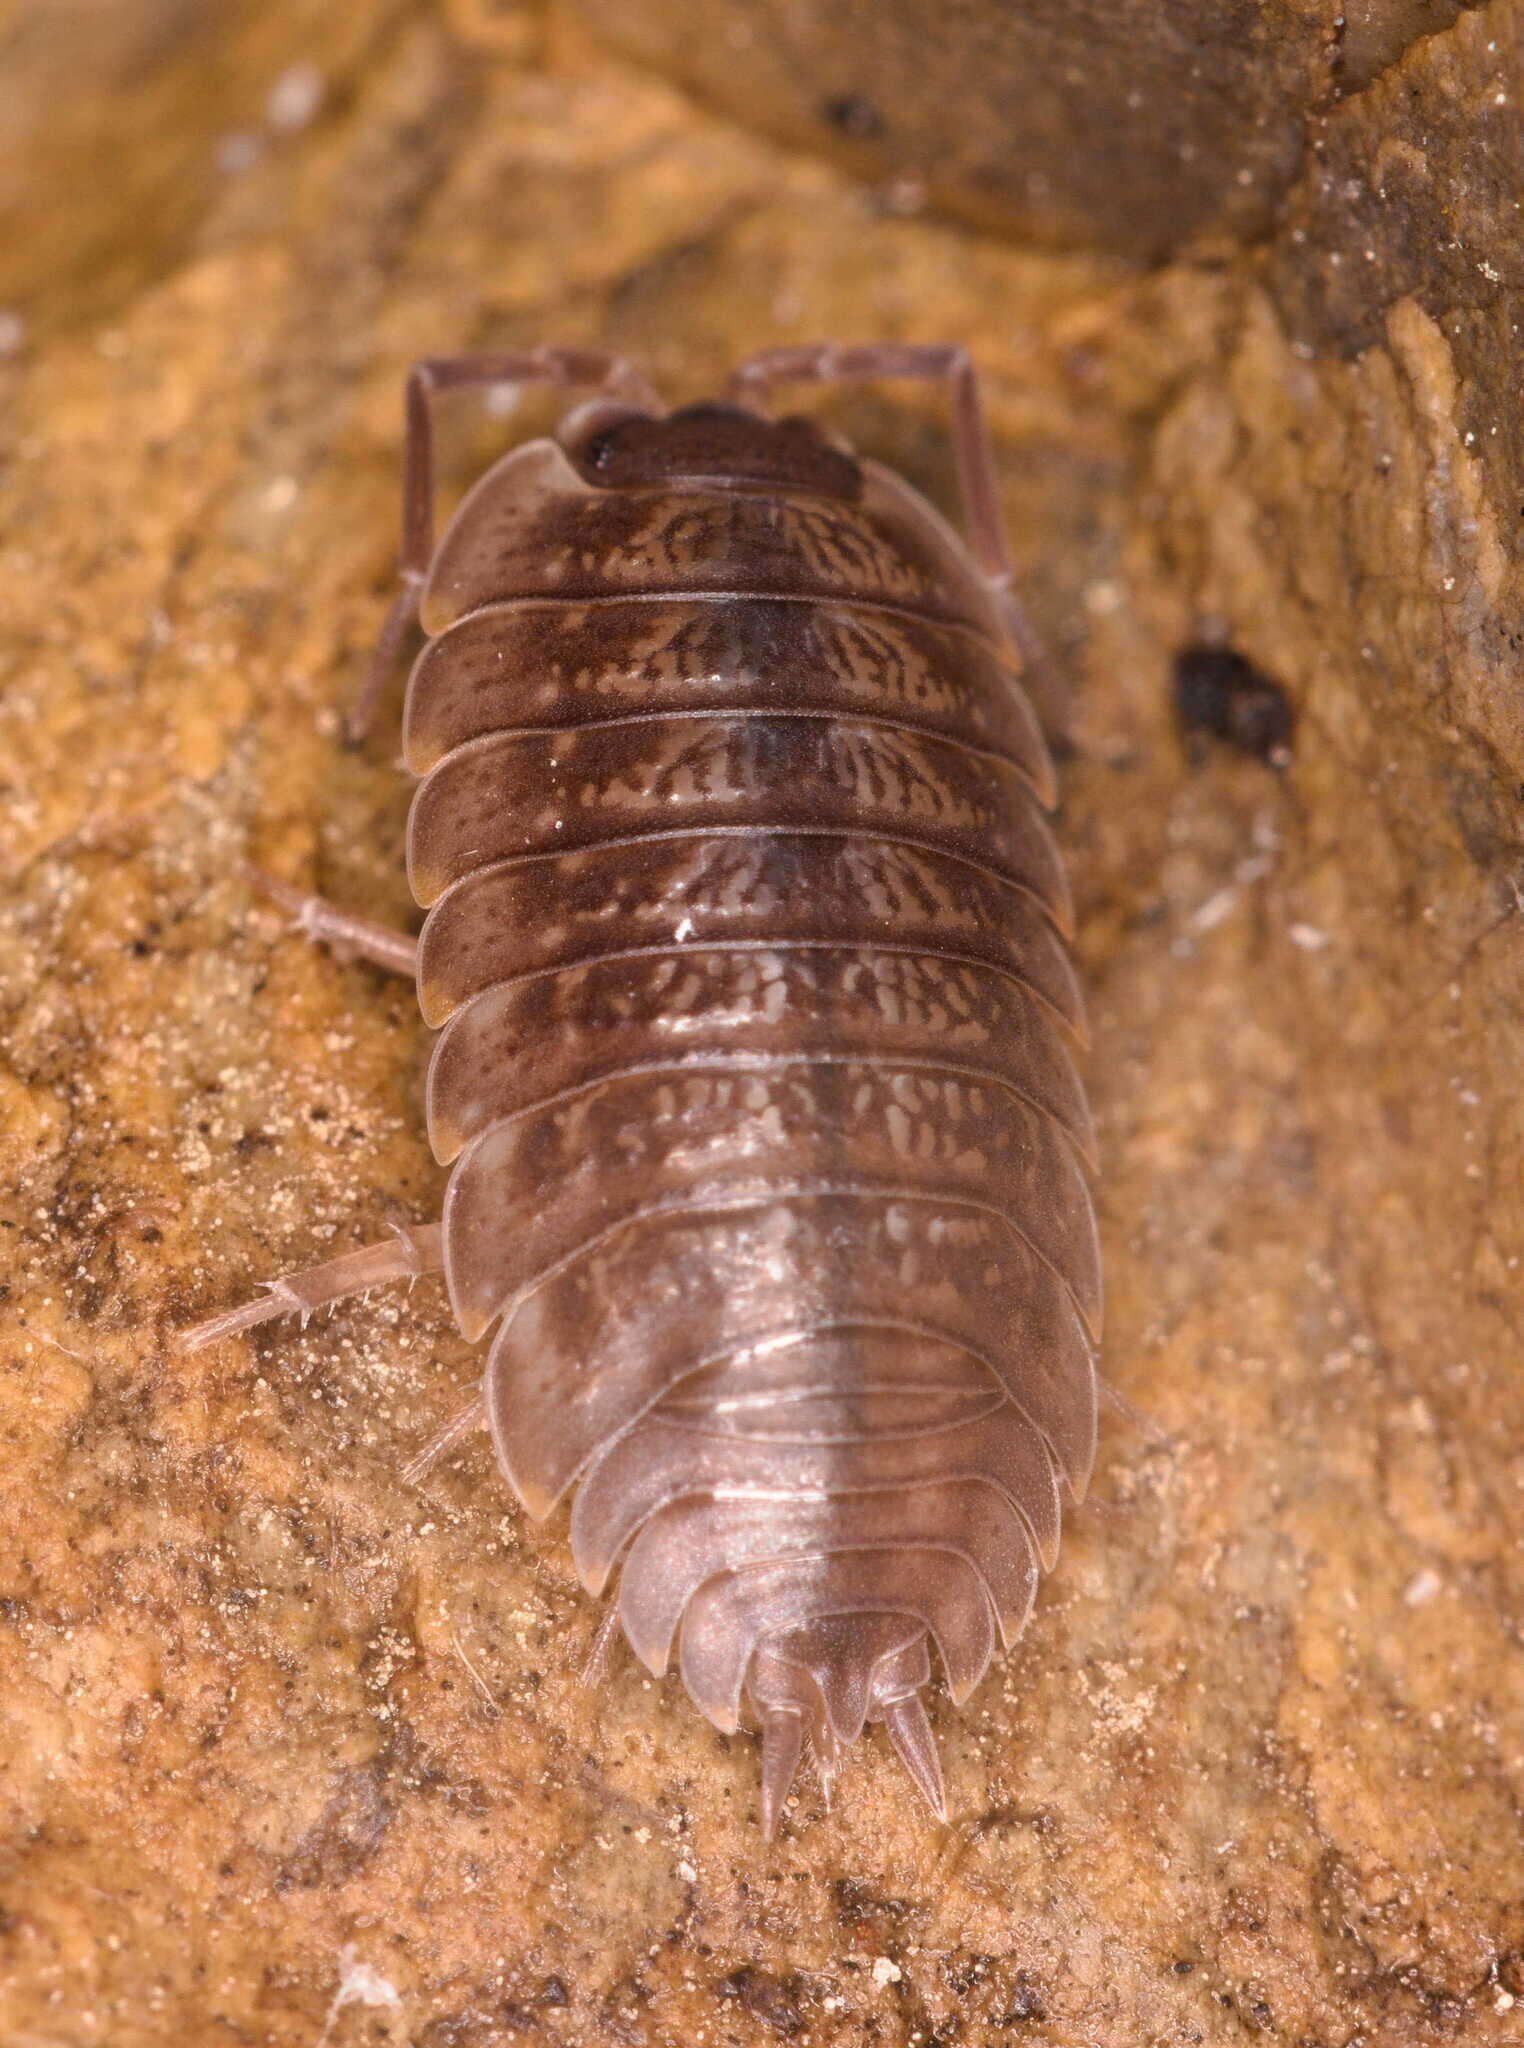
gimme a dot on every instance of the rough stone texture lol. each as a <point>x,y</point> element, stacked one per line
<point>1127,123</point>
<point>294,1753</point>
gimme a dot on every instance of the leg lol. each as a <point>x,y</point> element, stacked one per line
<point>596,368</point>
<point>1156,1438</point>
<point>406,1255</point>
<point>410,1253</point>
<point>397,952</point>
<point>821,363</point>
<point>473,1416</point>
<point>601,1654</point>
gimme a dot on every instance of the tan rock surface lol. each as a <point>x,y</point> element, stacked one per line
<point>295,1753</point>
<point>1129,124</point>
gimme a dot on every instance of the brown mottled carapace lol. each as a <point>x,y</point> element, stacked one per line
<point>745,944</point>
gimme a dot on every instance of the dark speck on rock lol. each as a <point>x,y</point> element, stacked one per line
<point>1219,692</point>
<point>854,116</point>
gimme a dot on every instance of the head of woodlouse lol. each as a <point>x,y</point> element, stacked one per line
<point>619,448</point>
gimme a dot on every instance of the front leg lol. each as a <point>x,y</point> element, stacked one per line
<point>597,369</point>
<point>950,365</point>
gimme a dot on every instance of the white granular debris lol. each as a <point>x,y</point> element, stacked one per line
<point>359,1984</point>
<point>1308,937</point>
<point>886,1972</point>
<point>1421,1588</point>
<point>1214,910</point>
<point>294,98</point>
<point>238,151</point>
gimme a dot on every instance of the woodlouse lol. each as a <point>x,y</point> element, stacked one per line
<point>745,942</point>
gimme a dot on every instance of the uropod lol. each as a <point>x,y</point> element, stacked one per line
<point>745,944</point>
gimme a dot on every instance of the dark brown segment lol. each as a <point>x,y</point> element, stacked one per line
<point>774,889</point>
<point>530,1190</point>
<point>490,1201</point>
<point>743,1023</point>
<point>532,527</point>
<point>541,792</point>
<point>533,665</point>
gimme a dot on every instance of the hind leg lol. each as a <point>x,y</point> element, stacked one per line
<point>411,1252</point>
<point>407,1255</point>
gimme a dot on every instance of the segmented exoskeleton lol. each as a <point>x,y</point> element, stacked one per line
<point>745,946</point>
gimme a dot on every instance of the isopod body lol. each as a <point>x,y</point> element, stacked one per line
<point>745,946</point>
